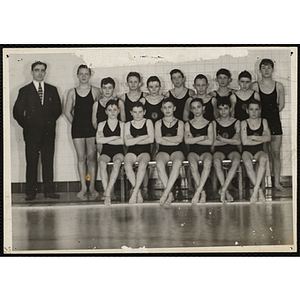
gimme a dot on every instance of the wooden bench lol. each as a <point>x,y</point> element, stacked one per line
<point>185,163</point>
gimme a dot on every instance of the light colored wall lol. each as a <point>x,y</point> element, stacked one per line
<point>61,72</point>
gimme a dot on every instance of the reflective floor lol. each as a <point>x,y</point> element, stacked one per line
<point>71,223</point>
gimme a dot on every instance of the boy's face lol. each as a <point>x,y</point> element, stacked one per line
<point>168,109</point>
<point>196,108</point>
<point>83,75</point>
<point>107,90</point>
<point>112,111</point>
<point>266,71</point>
<point>201,86</point>
<point>133,83</point>
<point>224,110</point>
<point>38,73</point>
<point>154,88</point>
<point>223,80</point>
<point>253,111</point>
<point>245,83</point>
<point>177,79</point>
<point>137,113</point>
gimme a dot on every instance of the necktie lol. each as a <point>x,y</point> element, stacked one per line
<point>40,91</point>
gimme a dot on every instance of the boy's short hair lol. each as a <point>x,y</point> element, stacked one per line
<point>38,63</point>
<point>266,62</point>
<point>223,101</point>
<point>84,67</point>
<point>112,102</point>
<point>200,76</point>
<point>245,74</point>
<point>133,74</point>
<point>152,79</point>
<point>196,100</point>
<point>106,81</point>
<point>137,104</point>
<point>224,72</point>
<point>254,101</point>
<point>174,71</point>
<point>165,100</point>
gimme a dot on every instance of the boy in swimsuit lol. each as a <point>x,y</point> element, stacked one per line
<point>199,135</point>
<point>169,133</point>
<point>241,98</point>
<point>133,81</point>
<point>209,102</point>
<point>110,134</point>
<point>139,135</point>
<point>272,103</point>
<point>255,132</point>
<point>227,132</point>
<point>179,94</point>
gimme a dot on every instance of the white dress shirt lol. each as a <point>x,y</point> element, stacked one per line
<point>36,84</point>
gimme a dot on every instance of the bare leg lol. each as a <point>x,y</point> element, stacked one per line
<point>162,159</point>
<point>193,159</point>
<point>261,158</point>
<point>129,161</point>
<point>218,157</point>
<point>80,148</point>
<point>143,160</point>
<point>103,161</point>
<point>206,158</point>
<point>92,164</point>
<point>177,159</point>
<point>275,144</point>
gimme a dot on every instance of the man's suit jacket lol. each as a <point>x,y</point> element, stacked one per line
<point>36,119</point>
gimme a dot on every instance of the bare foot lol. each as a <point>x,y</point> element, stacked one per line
<point>280,188</point>
<point>140,197</point>
<point>229,197</point>
<point>113,196</point>
<point>170,199</point>
<point>261,196</point>
<point>82,193</point>
<point>107,200</point>
<point>222,196</point>
<point>253,198</point>
<point>203,197</point>
<point>93,192</point>
<point>163,199</point>
<point>145,192</point>
<point>133,198</point>
<point>195,199</point>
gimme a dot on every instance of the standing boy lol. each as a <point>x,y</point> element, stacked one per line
<point>36,110</point>
<point>272,103</point>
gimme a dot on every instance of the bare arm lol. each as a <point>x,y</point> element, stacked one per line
<point>120,138</point>
<point>280,96</point>
<point>70,105</point>
<point>266,135</point>
<point>186,111</point>
<point>161,139</point>
<point>176,140</point>
<point>232,99</point>
<point>100,138</point>
<point>122,110</point>
<point>236,139</point>
<point>94,114</point>
<point>254,87</point>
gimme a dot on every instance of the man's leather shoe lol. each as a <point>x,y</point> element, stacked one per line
<point>29,197</point>
<point>52,195</point>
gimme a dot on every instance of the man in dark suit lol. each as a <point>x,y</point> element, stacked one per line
<point>37,108</point>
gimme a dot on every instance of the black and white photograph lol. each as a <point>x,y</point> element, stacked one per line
<point>149,150</point>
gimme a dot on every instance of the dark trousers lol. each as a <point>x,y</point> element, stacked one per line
<point>33,148</point>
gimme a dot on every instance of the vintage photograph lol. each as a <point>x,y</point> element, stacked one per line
<point>150,150</point>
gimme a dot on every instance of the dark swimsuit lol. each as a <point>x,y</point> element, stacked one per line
<point>128,105</point>
<point>153,111</point>
<point>209,110</point>
<point>101,114</point>
<point>172,131</point>
<point>111,150</point>
<point>82,126</point>
<point>138,149</point>
<point>241,106</point>
<point>220,97</point>
<point>180,104</point>
<point>270,110</point>
<point>227,133</point>
<point>196,148</point>
<point>258,132</point>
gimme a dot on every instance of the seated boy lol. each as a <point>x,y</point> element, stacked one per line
<point>139,135</point>
<point>209,102</point>
<point>227,131</point>
<point>133,81</point>
<point>169,133</point>
<point>110,134</point>
<point>255,132</point>
<point>200,136</point>
<point>241,98</point>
